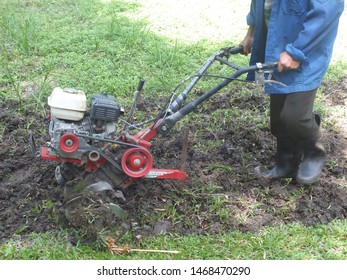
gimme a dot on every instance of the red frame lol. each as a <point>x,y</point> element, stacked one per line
<point>142,139</point>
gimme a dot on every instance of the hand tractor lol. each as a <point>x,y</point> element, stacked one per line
<point>94,157</point>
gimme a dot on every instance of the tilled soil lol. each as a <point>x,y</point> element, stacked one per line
<point>220,194</point>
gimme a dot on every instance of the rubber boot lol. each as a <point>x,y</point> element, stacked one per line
<point>313,161</point>
<point>287,161</point>
<point>312,164</point>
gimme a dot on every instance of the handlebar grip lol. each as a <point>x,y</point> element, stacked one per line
<point>140,85</point>
<point>270,65</point>
<point>236,50</point>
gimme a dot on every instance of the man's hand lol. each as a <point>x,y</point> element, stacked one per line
<point>286,62</point>
<point>247,42</point>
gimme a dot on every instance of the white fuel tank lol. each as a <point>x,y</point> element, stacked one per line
<point>68,104</point>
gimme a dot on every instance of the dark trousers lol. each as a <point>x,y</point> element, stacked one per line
<point>291,116</point>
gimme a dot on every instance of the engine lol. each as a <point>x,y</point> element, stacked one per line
<point>75,129</point>
<point>83,141</point>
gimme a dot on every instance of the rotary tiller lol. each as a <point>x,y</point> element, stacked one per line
<point>93,156</point>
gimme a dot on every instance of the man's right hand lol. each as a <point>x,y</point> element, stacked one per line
<point>286,62</point>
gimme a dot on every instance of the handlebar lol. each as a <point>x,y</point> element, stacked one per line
<point>176,112</point>
<point>236,50</point>
<point>255,67</point>
<point>226,52</point>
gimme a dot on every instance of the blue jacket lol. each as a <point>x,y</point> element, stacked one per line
<point>306,29</point>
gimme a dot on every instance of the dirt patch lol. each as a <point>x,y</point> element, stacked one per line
<point>220,194</point>
<point>28,193</point>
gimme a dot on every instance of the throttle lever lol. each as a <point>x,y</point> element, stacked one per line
<point>264,69</point>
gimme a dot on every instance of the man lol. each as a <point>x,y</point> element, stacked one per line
<point>299,34</point>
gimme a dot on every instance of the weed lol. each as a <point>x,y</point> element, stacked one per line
<point>21,30</point>
<point>40,95</point>
<point>13,82</point>
<point>172,213</point>
<point>218,206</point>
<point>214,166</point>
<point>2,130</point>
<point>21,230</point>
<point>49,207</point>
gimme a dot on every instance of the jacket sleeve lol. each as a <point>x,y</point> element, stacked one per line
<point>319,27</point>
<point>251,15</point>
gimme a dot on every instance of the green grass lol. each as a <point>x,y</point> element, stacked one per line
<point>89,45</point>
<point>94,46</point>
<point>285,242</point>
